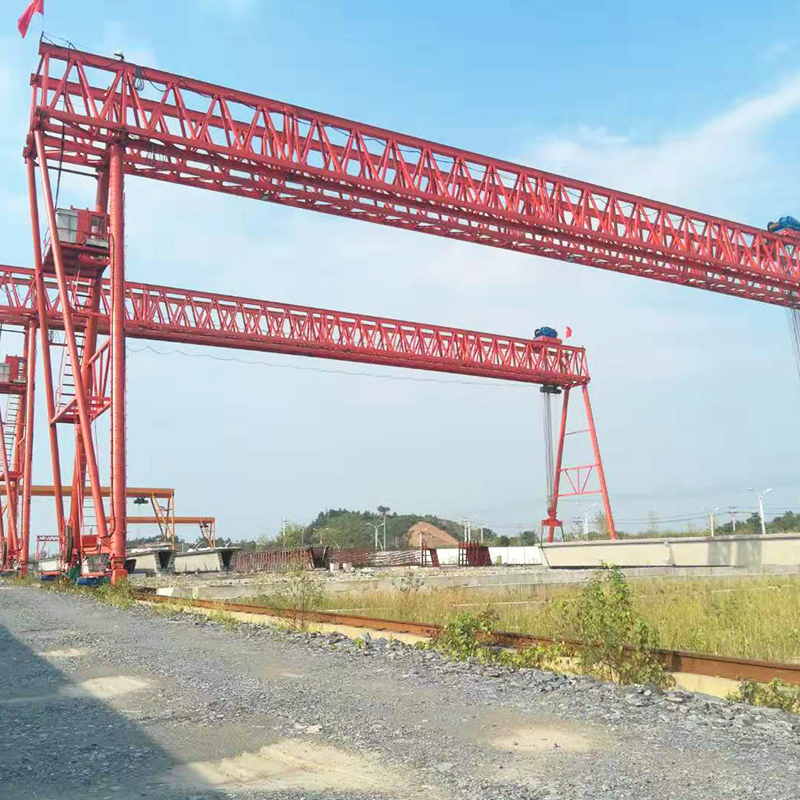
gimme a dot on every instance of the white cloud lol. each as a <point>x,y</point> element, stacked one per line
<point>776,51</point>
<point>716,166</point>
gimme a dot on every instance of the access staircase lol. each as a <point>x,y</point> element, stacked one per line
<point>10,419</point>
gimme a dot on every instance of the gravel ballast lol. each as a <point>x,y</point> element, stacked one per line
<point>100,702</point>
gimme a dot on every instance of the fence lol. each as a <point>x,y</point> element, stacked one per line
<point>277,560</point>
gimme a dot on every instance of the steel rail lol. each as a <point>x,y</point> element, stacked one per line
<point>673,660</point>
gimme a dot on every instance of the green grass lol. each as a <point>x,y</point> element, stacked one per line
<point>755,617</point>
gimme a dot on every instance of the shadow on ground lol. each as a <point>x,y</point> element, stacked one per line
<point>61,740</point>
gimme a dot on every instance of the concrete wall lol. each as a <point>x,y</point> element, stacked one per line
<point>158,561</point>
<point>211,559</point>
<point>500,555</point>
<point>750,552</point>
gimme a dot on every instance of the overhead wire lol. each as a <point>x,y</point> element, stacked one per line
<point>477,382</point>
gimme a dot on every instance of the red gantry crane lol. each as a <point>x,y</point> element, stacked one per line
<point>112,118</point>
<point>191,317</point>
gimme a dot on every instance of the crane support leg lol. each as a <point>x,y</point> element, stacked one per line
<point>118,481</point>
<point>44,336</point>
<point>601,476</point>
<point>11,505</point>
<point>84,414</point>
<point>552,522</point>
<point>89,350</point>
<point>27,459</point>
<point>577,481</point>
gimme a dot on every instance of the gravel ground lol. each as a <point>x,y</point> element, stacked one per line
<point>97,702</point>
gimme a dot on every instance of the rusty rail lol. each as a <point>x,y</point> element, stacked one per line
<point>674,660</point>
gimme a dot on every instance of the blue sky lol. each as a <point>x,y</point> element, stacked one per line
<point>696,395</point>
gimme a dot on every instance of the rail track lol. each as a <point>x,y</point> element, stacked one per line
<point>674,660</point>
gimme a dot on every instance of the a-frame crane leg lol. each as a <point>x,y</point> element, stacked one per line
<point>3,550</point>
<point>118,455</point>
<point>552,522</point>
<point>601,476</point>
<point>84,413</point>
<point>577,478</point>
<point>44,337</point>
<point>27,454</point>
<point>11,492</point>
<point>89,350</point>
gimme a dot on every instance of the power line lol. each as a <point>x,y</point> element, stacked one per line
<point>480,382</point>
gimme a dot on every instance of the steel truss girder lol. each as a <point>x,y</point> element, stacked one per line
<point>203,318</point>
<point>195,133</point>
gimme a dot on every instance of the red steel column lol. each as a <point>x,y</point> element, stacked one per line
<point>89,349</point>
<point>612,532</point>
<point>118,478</point>
<point>27,463</point>
<point>84,418</point>
<point>41,308</point>
<point>3,551</point>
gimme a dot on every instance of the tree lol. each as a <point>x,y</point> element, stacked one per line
<point>528,538</point>
<point>601,524</point>
<point>503,541</point>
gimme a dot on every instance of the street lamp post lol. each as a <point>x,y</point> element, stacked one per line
<point>732,509</point>
<point>761,508</point>
<point>586,519</point>
<point>711,512</point>
<point>375,527</point>
<point>384,510</point>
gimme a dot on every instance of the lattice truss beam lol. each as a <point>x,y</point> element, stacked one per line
<point>193,317</point>
<point>190,132</point>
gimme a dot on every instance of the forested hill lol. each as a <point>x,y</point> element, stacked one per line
<point>353,528</point>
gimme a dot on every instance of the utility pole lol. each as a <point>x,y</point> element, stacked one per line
<point>586,523</point>
<point>732,509</point>
<point>283,531</point>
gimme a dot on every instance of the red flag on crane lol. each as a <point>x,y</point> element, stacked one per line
<point>567,332</point>
<point>27,15</point>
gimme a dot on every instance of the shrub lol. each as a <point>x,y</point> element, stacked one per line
<point>300,592</point>
<point>616,642</point>
<point>775,694</point>
<point>461,637</point>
